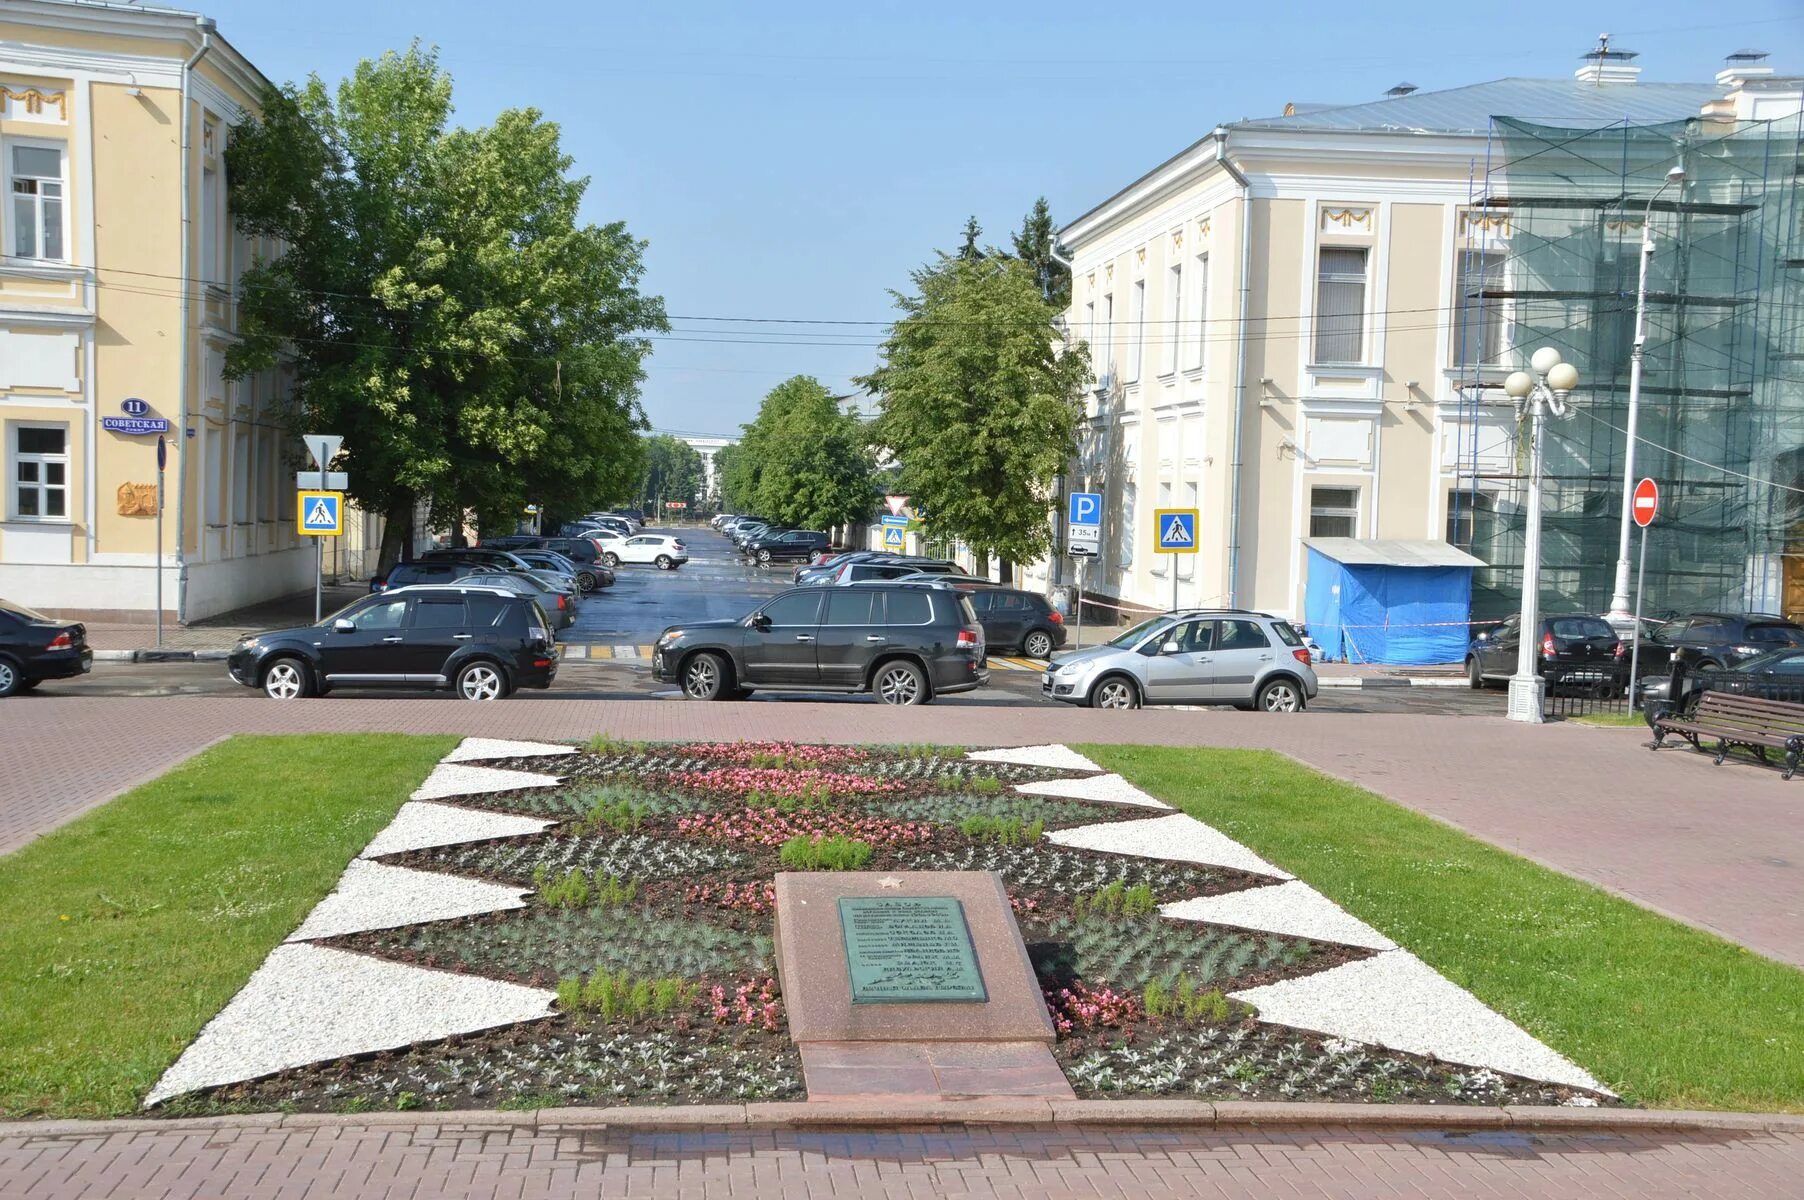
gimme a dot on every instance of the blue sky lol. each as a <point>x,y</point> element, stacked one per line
<point>795,160</point>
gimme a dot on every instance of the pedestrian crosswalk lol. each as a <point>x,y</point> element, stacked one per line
<point>627,651</point>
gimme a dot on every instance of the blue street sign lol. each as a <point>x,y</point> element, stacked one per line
<point>1086,509</point>
<point>320,512</point>
<point>135,426</point>
<point>134,407</point>
<point>1175,529</point>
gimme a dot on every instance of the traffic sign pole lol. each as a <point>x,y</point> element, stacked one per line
<point>162,461</point>
<point>1645,503</point>
<point>319,570</point>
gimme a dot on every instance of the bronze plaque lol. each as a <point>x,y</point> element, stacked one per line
<point>909,950</point>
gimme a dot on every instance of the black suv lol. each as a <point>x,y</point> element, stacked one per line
<point>774,545</point>
<point>34,648</point>
<point>481,642</point>
<point>1709,641</point>
<point>903,643</point>
<point>1573,647</point>
<point>1016,619</point>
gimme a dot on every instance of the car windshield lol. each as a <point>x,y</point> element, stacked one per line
<point>1787,661</point>
<point>345,611</point>
<point>1134,635</point>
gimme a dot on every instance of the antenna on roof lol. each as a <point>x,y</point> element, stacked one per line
<point>1604,64</point>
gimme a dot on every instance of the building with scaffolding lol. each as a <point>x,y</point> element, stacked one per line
<point>1300,325</point>
<point>1720,426</point>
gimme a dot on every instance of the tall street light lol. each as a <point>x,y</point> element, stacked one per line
<point>1544,392</point>
<point>1620,614</point>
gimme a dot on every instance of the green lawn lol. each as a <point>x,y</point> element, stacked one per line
<point>1664,1014</point>
<point>1624,720</point>
<point>124,932</point>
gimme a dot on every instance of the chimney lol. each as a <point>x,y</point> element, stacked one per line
<point>1400,91</point>
<point>1742,66</point>
<point>1606,64</point>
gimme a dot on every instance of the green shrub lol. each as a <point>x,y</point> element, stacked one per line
<point>578,889</point>
<point>1116,900</point>
<point>984,785</point>
<point>1186,1001</point>
<point>615,811</point>
<point>817,853</point>
<point>607,745</point>
<point>617,996</point>
<point>1009,831</point>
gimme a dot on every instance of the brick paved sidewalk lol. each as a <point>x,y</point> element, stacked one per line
<point>1719,847</point>
<point>494,1160</point>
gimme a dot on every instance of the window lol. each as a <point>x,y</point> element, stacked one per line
<point>1774,635</point>
<point>1200,285</point>
<point>1106,365</point>
<point>1192,637</point>
<point>1171,329</point>
<point>1333,512</point>
<point>40,490</point>
<point>1478,325</point>
<point>1788,664</point>
<point>1124,550</point>
<point>1136,329</point>
<point>1090,329</point>
<point>1187,562</point>
<point>384,614</point>
<point>438,612</point>
<point>850,606</point>
<point>36,176</point>
<point>910,608</point>
<point>1340,303</point>
<point>241,474</point>
<point>980,602</point>
<point>485,608</point>
<point>1240,635</point>
<point>215,482</point>
<point>266,475</point>
<point>797,608</point>
<point>1463,520</point>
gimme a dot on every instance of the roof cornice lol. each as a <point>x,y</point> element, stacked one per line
<point>131,21</point>
<point>1185,167</point>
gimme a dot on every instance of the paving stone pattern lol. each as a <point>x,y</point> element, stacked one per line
<point>1720,847</point>
<point>516,1161</point>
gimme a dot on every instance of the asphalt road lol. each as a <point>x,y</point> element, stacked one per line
<point>714,583</point>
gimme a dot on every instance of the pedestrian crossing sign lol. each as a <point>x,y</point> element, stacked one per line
<point>1175,529</point>
<point>319,514</point>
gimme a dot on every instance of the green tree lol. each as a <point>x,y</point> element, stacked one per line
<point>673,471</point>
<point>980,403</point>
<point>437,299</point>
<point>728,499</point>
<point>1034,245</point>
<point>804,461</point>
<point>968,249</point>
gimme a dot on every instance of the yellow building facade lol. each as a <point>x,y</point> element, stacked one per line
<point>116,310</point>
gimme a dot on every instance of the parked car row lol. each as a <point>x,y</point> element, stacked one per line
<point>1585,647</point>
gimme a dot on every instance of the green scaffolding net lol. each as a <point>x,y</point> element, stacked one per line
<point>1550,255</point>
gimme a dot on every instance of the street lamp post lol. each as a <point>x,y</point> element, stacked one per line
<point>1619,614</point>
<point>1543,392</point>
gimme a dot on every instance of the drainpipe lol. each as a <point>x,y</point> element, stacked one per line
<point>207,26</point>
<point>1240,361</point>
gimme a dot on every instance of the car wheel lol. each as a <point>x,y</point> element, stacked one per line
<point>585,581</point>
<point>1708,665</point>
<point>1037,644</point>
<point>665,562</point>
<point>899,683</point>
<point>610,560</point>
<point>705,677</point>
<point>1280,695</point>
<point>481,681</point>
<point>764,558</point>
<point>1117,691</point>
<point>11,680</point>
<point>1475,675</point>
<point>286,679</point>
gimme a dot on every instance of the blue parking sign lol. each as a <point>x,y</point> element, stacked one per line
<point>1085,509</point>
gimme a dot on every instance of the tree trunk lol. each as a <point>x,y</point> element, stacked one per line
<point>1007,572</point>
<point>397,533</point>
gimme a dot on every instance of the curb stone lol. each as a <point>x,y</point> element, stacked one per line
<point>992,1111</point>
<point>150,655</point>
<point>1386,681</point>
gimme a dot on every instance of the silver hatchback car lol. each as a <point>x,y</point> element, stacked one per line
<point>1198,656</point>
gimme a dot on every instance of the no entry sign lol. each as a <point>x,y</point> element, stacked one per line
<point>1646,502</point>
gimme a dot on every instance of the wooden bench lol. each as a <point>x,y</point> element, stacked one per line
<point>1734,720</point>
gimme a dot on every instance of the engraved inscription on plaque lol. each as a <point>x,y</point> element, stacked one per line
<point>909,949</point>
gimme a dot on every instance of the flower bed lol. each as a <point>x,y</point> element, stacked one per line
<point>651,922</point>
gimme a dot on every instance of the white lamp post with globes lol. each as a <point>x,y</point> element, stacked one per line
<point>1545,391</point>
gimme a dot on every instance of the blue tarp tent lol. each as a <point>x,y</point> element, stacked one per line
<point>1381,600</point>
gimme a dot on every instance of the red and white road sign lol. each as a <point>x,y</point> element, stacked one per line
<point>1646,502</point>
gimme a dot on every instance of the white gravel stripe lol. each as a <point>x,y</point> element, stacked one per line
<point>1109,789</point>
<point>419,825</point>
<point>377,896</point>
<point>1180,838</point>
<point>474,748</point>
<point>306,1004</point>
<point>1056,755</point>
<point>1396,1000</point>
<point>1292,908</point>
<point>455,779</point>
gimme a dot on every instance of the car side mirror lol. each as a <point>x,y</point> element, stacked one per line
<point>344,625</point>
<point>760,621</point>
<point>1169,648</point>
